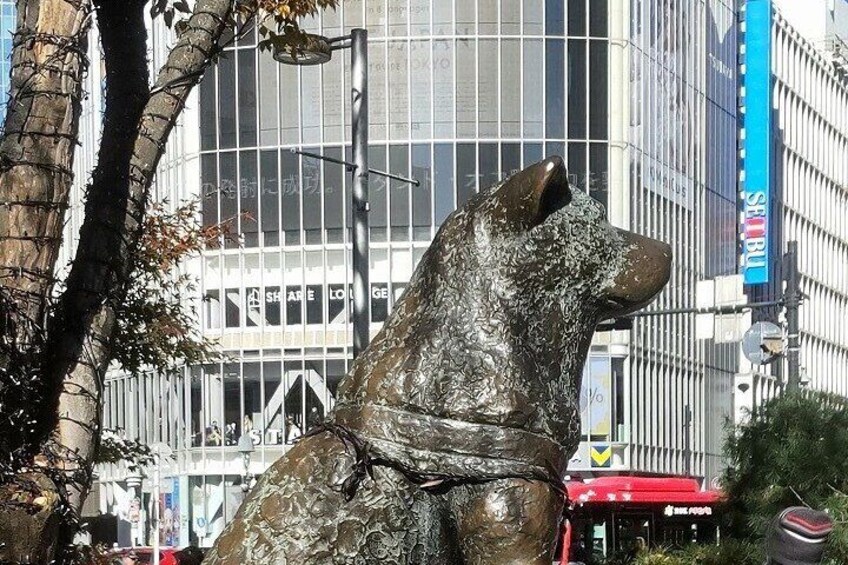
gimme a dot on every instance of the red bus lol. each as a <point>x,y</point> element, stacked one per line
<point>616,516</point>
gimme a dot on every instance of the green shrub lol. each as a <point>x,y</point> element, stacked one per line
<point>729,551</point>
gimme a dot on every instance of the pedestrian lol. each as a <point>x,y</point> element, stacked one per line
<point>313,419</point>
<point>293,431</point>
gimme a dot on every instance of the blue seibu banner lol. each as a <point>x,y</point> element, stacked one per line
<point>756,204</point>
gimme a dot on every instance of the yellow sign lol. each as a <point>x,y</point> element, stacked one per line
<point>601,455</point>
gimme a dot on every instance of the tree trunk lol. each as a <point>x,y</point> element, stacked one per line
<point>78,342</point>
<point>99,279</point>
<point>93,279</point>
<point>36,158</point>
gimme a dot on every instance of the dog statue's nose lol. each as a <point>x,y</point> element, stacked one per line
<point>646,270</point>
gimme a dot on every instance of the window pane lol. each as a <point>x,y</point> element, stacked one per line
<point>333,195</point>
<point>577,17</point>
<point>213,309</point>
<point>487,86</point>
<point>532,154</point>
<point>533,17</point>
<point>379,302</point>
<point>375,17</point>
<point>377,90</point>
<point>310,87</point>
<point>489,169</point>
<point>577,166</point>
<point>444,180</point>
<point>422,172</point>
<point>533,79</point>
<point>270,189</point>
<point>249,209</point>
<point>377,195</point>
<point>247,97</point>
<point>314,304</point>
<point>272,403</point>
<point>399,194</point>
<point>598,172</point>
<point>398,16</point>
<point>420,55</point>
<point>487,17</point>
<point>332,93</point>
<point>294,305</point>
<point>293,405</point>
<point>232,308</point>
<point>398,89</point>
<point>576,89</point>
<point>209,180</point>
<point>442,17</point>
<point>554,89</point>
<point>227,99</point>
<point>554,17</point>
<point>598,115</point>
<point>208,111</point>
<point>419,15</point>
<point>466,172</point>
<point>443,64</point>
<point>510,159</point>
<point>466,85</point>
<point>290,174</point>
<point>353,13</point>
<point>510,88</point>
<point>312,197</point>
<point>252,424</point>
<point>465,18</point>
<point>229,191</point>
<point>554,148</point>
<point>273,299</point>
<point>598,18</point>
<point>269,108</point>
<point>314,410</point>
<point>331,22</point>
<point>253,307</point>
<point>289,98</point>
<point>510,17</point>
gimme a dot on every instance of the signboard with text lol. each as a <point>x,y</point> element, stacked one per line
<point>757,161</point>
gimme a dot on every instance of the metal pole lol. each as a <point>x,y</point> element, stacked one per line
<point>793,301</point>
<point>687,439</point>
<point>359,120</point>
<point>156,486</point>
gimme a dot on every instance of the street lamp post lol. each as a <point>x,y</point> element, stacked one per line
<point>318,50</point>
<point>359,124</point>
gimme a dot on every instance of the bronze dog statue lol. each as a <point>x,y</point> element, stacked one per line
<point>452,431</point>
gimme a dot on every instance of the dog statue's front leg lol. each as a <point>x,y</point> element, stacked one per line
<point>507,522</point>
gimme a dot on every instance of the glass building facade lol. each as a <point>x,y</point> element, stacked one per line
<point>462,94</point>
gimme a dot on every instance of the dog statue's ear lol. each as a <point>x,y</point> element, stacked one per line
<point>535,193</point>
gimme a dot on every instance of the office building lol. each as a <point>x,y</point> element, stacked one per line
<point>800,168</point>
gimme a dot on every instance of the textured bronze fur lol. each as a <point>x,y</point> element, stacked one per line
<point>453,429</point>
